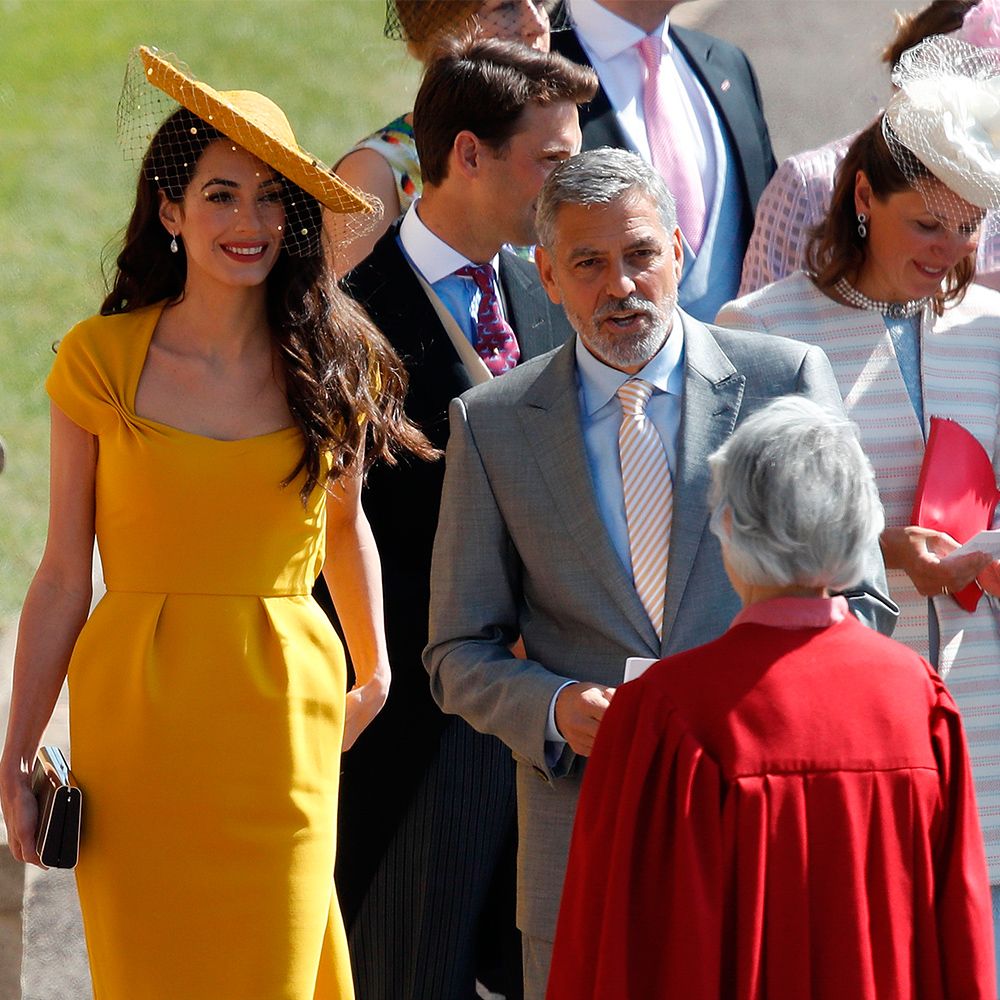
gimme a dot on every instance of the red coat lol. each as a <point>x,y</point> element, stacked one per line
<point>784,813</point>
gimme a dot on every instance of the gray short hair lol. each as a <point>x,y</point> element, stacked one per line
<point>599,177</point>
<point>804,506</point>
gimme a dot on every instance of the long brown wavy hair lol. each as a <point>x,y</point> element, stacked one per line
<point>835,250</point>
<point>344,384</point>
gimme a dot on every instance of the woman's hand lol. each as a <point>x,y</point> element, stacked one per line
<point>989,579</point>
<point>354,576</point>
<point>924,555</point>
<point>20,813</point>
<point>54,611</point>
<point>364,702</point>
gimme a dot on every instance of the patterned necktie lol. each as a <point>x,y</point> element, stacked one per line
<point>649,498</point>
<point>663,97</point>
<point>495,341</point>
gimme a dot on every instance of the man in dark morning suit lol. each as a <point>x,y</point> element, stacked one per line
<point>425,859</point>
<point>724,123</point>
<point>581,480</point>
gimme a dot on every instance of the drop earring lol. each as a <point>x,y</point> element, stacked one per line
<point>173,243</point>
<point>862,225</point>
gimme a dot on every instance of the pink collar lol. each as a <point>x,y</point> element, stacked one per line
<point>794,612</point>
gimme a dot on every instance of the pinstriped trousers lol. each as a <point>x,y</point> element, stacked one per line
<point>439,912</point>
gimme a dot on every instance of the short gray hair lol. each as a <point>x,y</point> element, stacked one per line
<point>599,177</point>
<point>802,497</point>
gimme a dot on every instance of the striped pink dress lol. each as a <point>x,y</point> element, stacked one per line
<point>960,378</point>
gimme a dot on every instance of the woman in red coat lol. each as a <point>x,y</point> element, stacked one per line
<point>785,812</point>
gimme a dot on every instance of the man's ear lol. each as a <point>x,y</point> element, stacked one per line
<point>543,261</point>
<point>678,252</point>
<point>171,214</point>
<point>466,153</point>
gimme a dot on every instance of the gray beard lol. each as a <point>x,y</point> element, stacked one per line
<point>621,350</point>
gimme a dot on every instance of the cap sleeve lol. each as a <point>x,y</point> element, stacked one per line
<point>94,370</point>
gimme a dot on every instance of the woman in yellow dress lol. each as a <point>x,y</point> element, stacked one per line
<point>210,425</point>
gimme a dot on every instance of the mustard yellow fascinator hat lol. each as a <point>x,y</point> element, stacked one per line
<point>255,123</point>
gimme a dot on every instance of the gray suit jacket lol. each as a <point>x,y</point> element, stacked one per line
<point>521,549</point>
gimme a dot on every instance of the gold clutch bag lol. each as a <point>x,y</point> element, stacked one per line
<point>60,809</point>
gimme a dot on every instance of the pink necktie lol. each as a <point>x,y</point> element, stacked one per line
<point>495,341</point>
<point>649,498</point>
<point>669,147</point>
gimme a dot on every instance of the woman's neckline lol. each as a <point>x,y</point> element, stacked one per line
<point>145,342</point>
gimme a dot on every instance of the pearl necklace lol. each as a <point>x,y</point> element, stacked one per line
<point>894,310</point>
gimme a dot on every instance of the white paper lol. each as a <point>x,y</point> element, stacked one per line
<point>636,666</point>
<point>985,541</point>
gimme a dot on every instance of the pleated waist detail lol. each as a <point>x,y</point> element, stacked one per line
<point>202,592</point>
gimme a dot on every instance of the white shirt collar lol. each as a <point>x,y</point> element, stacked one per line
<point>607,35</point>
<point>428,253</point>
<point>664,370</point>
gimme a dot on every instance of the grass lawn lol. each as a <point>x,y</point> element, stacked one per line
<point>65,191</point>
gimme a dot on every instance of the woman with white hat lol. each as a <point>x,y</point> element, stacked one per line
<point>798,196</point>
<point>212,426</point>
<point>889,297</point>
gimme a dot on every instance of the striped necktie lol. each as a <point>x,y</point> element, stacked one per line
<point>649,498</point>
<point>495,341</point>
<point>669,143</point>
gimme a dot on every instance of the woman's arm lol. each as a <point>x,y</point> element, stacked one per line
<point>367,170</point>
<point>354,575</point>
<point>54,611</point>
<point>923,554</point>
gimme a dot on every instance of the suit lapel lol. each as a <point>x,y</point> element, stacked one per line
<point>550,416</point>
<point>729,101</point>
<point>713,393</point>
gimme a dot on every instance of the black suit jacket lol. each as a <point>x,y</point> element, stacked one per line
<point>383,768</point>
<point>730,82</point>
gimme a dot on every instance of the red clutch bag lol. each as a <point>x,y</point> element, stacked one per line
<point>956,492</point>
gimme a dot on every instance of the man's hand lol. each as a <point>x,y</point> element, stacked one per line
<point>579,710</point>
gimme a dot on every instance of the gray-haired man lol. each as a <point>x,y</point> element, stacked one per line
<point>543,517</point>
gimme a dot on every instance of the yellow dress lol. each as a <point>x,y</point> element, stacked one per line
<point>206,704</point>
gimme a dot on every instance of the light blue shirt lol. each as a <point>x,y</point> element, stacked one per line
<point>905,336</point>
<point>437,262</point>
<point>600,419</point>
